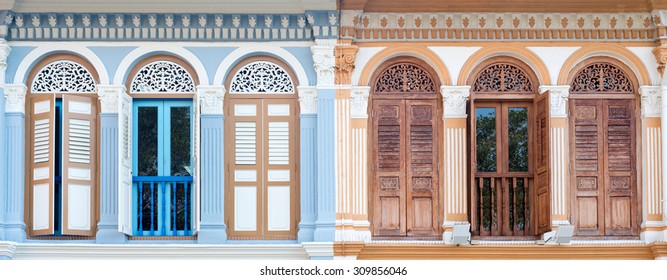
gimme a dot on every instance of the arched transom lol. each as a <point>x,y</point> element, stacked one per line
<point>261,77</point>
<point>502,78</point>
<point>63,76</point>
<point>405,78</point>
<point>601,78</point>
<point>162,77</point>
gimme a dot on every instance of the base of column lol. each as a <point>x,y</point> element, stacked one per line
<point>306,232</point>
<point>109,234</point>
<point>15,232</point>
<point>324,232</point>
<point>448,231</point>
<point>353,231</point>
<point>212,234</point>
<point>319,250</point>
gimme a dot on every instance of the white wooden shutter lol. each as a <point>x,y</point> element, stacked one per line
<point>78,164</point>
<point>196,183</point>
<point>125,164</point>
<point>43,165</point>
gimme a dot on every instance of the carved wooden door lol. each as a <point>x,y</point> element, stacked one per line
<point>405,168</point>
<point>605,184</point>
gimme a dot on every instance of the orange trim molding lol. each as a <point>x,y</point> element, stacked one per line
<point>605,50</point>
<point>506,49</point>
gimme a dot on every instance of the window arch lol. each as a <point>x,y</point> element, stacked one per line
<point>510,147</point>
<point>600,76</point>
<point>61,119</point>
<point>261,149</point>
<point>405,77</point>
<point>262,76</point>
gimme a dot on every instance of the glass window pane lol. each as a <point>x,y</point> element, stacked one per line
<point>147,141</point>
<point>180,141</point>
<point>517,124</point>
<point>486,139</point>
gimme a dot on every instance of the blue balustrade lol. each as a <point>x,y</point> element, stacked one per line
<point>165,200</point>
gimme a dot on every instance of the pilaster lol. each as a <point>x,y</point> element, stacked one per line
<point>652,208</point>
<point>109,136</point>
<point>212,178</point>
<point>4,53</point>
<point>323,58</point>
<point>559,152</point>
<point>14,163</point>
<point>308,162</point>
<point>454,99</point>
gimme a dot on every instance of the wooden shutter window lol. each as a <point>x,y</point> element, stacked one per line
<point>125,224</point>
<point>78,182</point>
<point>542,152</point>
<point>43,168</point>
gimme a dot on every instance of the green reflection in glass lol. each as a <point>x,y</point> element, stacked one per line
<point>517,127</point>
<point>486,139</point>
<point>147,140</point>
<point>180,141</point>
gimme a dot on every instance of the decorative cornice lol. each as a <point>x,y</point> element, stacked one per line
<point>557,99</point>
<point>211,99</point>
<point>308,99</point>
<point>170,27</point>
<point>109,96</point>
<point>660,54</point>
<point>345,56</point>
<point>323,62</point>
<point>498,26</point>
<point>4,52</point>
<point>15,98</point>
<point>454,100</point>
<point>651,101</point>
<point>359,102</point>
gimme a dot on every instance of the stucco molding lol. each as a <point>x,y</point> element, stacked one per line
<point>454,100</point>
<point>109,96</point>
<point>558,96</point>
<point>211,99</point>
<point>345,57</point>
<point>359,101</point>
<point>4,52</point>
<point>15,98</point>
<point>307,99</point>
<point>323,62</point>
<point>651,101</point>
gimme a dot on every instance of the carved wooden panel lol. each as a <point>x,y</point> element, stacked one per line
<point>605,190</point>
<point>405,157</point>
<point>503,78</point>
<point>601,77</point>
<point>405,77</point>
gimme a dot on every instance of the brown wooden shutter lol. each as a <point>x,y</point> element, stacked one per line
<point>43,163</point>
<point>588,155</point>
<point>78,164</point>
<point>422,162</point>
<point>389,143</point>
<point>542,195</point>
<point>621,213</point>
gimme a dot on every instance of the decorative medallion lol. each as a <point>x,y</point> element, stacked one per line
<point>404,78</point>
<point>502,78</point>
<point>63,76</point>
<point>601,78</point>
<point>162,76</point>
<point>261,77</point>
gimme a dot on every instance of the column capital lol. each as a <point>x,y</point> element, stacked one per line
<point>211,99</point>
<point>15,98</point>
<point>359,101</point>
<point>109,96</point>
<point>307,99</point>
<point>454,100</point>
<point>660,53</point>
<point>557,99</point>
<point>651,101</point>
<point>345,56</point>
<point>323,62</point>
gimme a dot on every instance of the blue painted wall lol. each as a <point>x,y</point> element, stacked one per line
<point>308,173</point>
<point>108,189</point>
<point>14,180</point>
<point>111,57</point>
<point>326,159</point>
<point>211,57</point>
<point>213,228</point>
<point>15,57</point>
<point>305,57</point>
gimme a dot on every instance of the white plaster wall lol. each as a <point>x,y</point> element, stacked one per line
<point>647,57</point>
<point>553,58</point>
<point>363,56</point>
<point>454,58</point>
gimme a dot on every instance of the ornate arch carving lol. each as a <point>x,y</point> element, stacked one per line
<point>261,76</point>
<point>63,74</point>
<point>503,75</point>
<point>601,75</point>
<point>404,75</point>
<point>162,74</point>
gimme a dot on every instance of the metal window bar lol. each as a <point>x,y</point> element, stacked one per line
<point>164,205</point>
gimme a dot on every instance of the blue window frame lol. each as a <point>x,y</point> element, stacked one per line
<point>58,184</point>
<point>162,167</point>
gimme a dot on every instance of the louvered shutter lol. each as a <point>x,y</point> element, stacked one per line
<point>279,168</point>
<point>196,199</point>
<point>43,164</point>
<point>542,179</point>
<point>389,182</point>
<point>125,164</point>
<point>78,163</point>
<point>245,177</point>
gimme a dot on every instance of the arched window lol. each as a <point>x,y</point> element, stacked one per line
<point>261,131</point>
<point>509,139</point>
<point>404,128</point>
<point>62,127</point>
<point>160,121</point>
<point>603,149</point>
